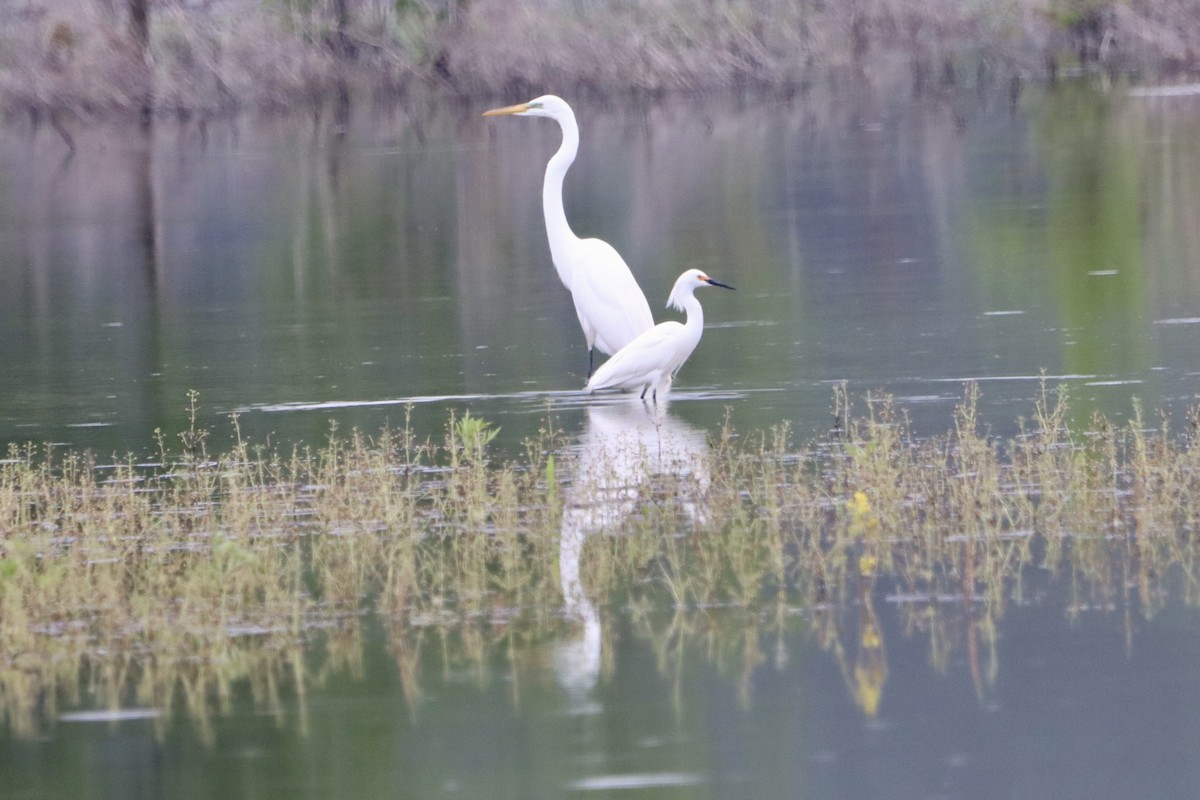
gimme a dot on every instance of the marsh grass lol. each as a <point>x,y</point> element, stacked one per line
<point>186,582</point>
<point>219,55</point>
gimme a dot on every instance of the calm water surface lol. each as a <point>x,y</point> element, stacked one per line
<point>302,271</point>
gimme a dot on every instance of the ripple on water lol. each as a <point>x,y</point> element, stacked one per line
<point>533,397</point>
<point>645,780</point>
<point>110,715</point>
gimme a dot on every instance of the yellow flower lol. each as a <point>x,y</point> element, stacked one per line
<point>860,506</point>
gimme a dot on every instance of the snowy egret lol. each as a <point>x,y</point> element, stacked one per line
<point>652,359</point>
<point>608,301</point>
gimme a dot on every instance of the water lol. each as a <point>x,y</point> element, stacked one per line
<point>303,270</point>
<point>716,706</point>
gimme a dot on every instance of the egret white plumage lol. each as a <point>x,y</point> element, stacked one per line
<point>651,360</point>
<point>608,301</point>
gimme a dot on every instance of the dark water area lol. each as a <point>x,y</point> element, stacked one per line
<point>306,271</point>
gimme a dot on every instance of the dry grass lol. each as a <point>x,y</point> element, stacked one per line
<point>206,57</point>
<point>524,46</point>
<point>223,54</point>
<point>163,584</point>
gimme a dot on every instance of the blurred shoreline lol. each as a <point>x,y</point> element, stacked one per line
<point>91,58</point>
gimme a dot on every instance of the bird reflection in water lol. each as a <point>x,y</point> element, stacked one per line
<point>624,449</point>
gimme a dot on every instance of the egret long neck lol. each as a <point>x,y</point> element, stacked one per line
<point>693,327</point>
<point>695,315</point>
<point>558,231</point>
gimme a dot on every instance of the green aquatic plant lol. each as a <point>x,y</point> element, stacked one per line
<point>162,584</point>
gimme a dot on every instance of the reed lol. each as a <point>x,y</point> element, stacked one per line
<point>221,55</point>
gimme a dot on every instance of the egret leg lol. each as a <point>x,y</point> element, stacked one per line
<point>591,356</point>
<point>644,388</point>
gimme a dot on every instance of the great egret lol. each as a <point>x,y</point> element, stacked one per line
<point>608,301</point>
<point>650,360</point>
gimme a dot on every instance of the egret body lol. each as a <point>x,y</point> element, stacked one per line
<point>651,360</point>
<point>608,301</point>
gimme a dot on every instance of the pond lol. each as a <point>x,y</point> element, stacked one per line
<point>313,270</point>
<point>302,270</point>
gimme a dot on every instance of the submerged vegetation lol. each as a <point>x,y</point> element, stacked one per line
<point>170,584</point>
<point>88,56</point>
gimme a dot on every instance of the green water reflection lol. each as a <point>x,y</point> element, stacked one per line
<point>328,271</point>
<point>863,692</point>
<point>303,272</point>
<point>688,620</point>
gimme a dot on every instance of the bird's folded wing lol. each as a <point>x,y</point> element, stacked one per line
<point>637,362</point>
<point>605,290</point>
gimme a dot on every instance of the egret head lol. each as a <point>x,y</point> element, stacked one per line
<point>548,105</point>
<point>688,282</point>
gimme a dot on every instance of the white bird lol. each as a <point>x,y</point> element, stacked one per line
<point>608,301</point>
<point>651,360</point>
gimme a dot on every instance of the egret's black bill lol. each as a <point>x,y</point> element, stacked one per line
<point>718,283</point>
